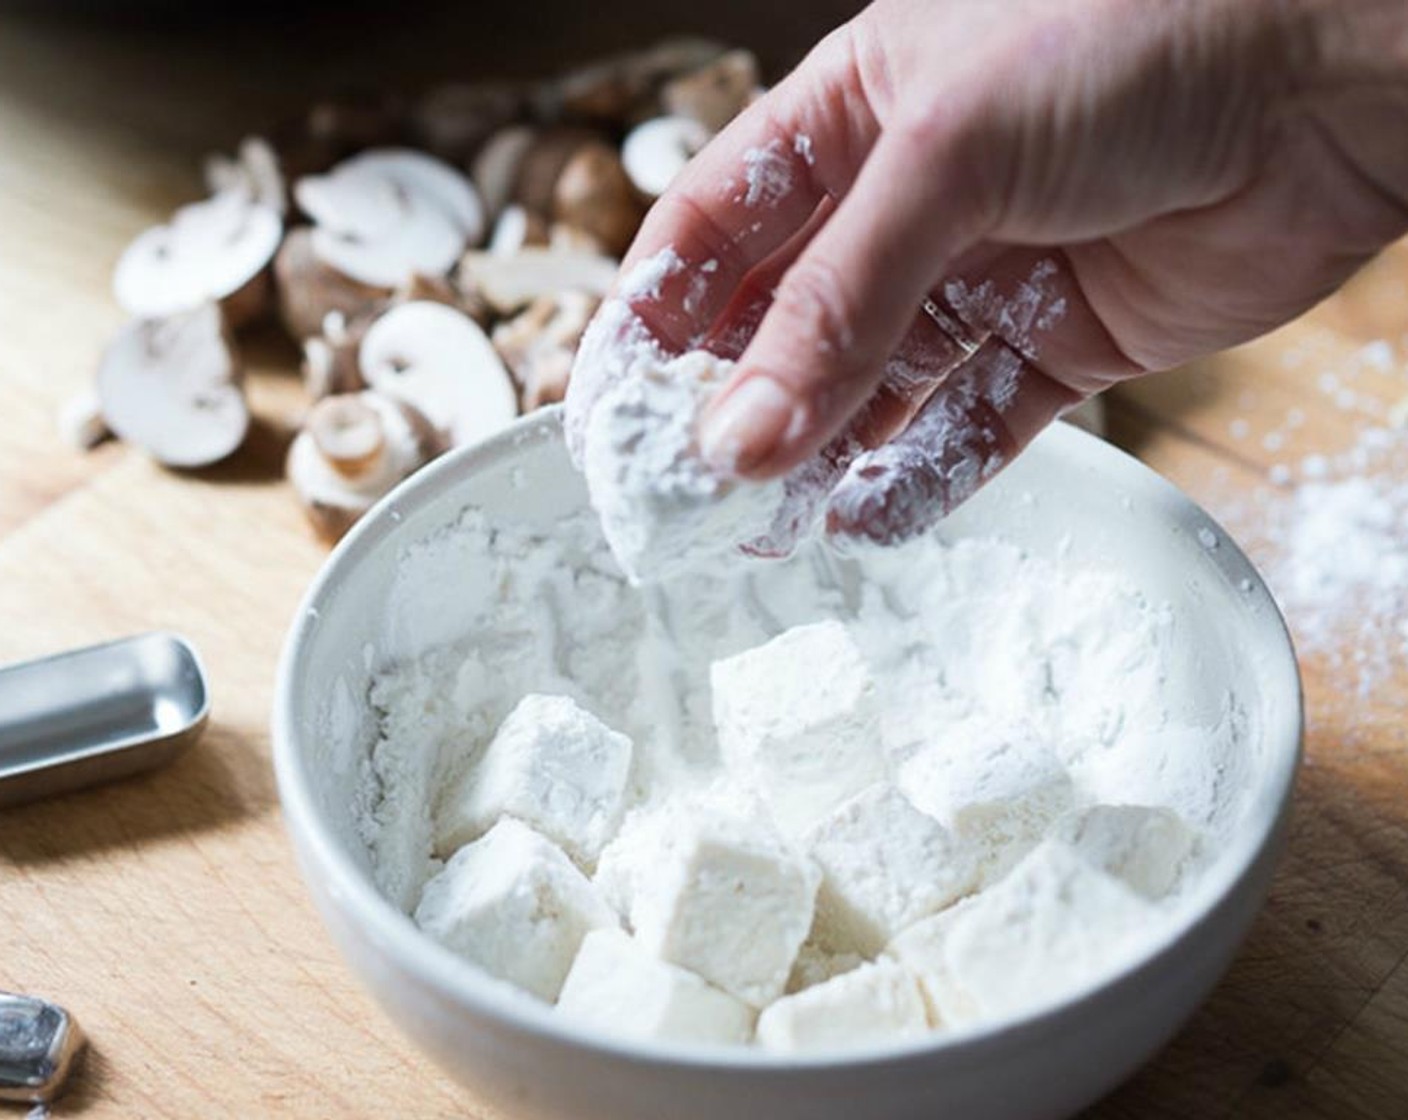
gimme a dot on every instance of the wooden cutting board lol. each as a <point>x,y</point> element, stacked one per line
<point>166,912</point>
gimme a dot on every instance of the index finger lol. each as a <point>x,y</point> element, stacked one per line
<point>749,191</point>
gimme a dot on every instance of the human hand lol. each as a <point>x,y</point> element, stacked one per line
<point>1079,192</point>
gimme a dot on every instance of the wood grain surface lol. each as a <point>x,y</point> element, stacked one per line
<point>166,913</point>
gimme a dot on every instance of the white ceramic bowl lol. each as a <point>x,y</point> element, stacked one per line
<point>1110,509</point>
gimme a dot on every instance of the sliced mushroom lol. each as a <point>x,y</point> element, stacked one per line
<point>443,289</point>
<point>172,387</point>
<point>311,289</point>
<point>452,121</point>
<point>542,164</point>
<point>510,283</point>
<point>516,228</point>
<point>495,168</point>
<point>212,251</point>
<point>539,344</point>
<point>254,172</point>
<point>352,450</point>
<point>330,359</point>
<point>440,361</point>
<point>594,194</point>
<point>614,90</point>
<point>715,93</point>
<point>656,151</point>
<point>385,214</point>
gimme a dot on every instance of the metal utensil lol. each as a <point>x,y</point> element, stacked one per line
<point>96,714</point>
<point>38,1042</point>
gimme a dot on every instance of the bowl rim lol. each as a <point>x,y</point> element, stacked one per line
<point>433,965</point>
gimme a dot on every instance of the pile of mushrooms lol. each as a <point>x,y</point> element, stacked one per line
<point>436,260</point>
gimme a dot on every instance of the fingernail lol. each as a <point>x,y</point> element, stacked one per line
<point>743,428</point>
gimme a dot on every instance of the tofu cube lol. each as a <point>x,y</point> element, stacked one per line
<point>618,988</point>
<point>874,1005</point>
<point>1001,787</point>
<point>513,903</point>
<point>1142,847</point>
<point>722,897</point>
<point>884,865</point>
<point>552,765</point>
<point>798,717</point>
<point>922,948</point>
<point>1054,926</point>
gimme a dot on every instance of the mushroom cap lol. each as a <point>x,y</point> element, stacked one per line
<point>387,213</point>
<point>309,288</point>
<point>438,360</point>
<point>335,493</point>
<point>171,386</point>
<point>208,252</point>
<point>511,282</point>
<point>594,194</point>
<point>495,168</point>
<point>655,152</point>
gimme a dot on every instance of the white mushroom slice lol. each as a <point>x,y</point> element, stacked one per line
<point>432,178</point>
<point>495,169</point>
<point>352,450</point>
<point>656,151</point>
<point>349,202</point>
<point>440,361</point>
<point>514,229</point>
<point>216,250</point>
<point>171,386</point>
<point>254,171</point>
<point>423,238</point>
<point>509,283</point>
<point>540,343</point>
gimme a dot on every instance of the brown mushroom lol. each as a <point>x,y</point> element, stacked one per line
<point>454,120</point>
<point>495,169</point>
<point>542,164</point>
<point>539,344</point>
<point>172,387</point>
<point>594,194</point>
<point>217,251</point>
<point>352,450</point>
<point>310,289</point>
<point>715,93</point>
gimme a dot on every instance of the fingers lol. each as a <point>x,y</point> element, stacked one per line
<point>1032,300</point>
<point>972,426</point>
<point>844,306</point>
<point>925,356</point>
<point>751,189</point>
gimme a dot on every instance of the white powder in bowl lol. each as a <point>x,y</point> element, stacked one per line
<point>972,646</point>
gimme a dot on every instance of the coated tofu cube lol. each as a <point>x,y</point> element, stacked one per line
<point>1055,925</point>
<point>552,765</point>
<point>873,1005</point>
<point>513,903</point>
<point>799,718</point>
<point>922,948</point>
<point>720,896</point>
<point>1142,847</point>
<point>1001,787</point>
<point>618,988</point>
<point>884,865</point>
